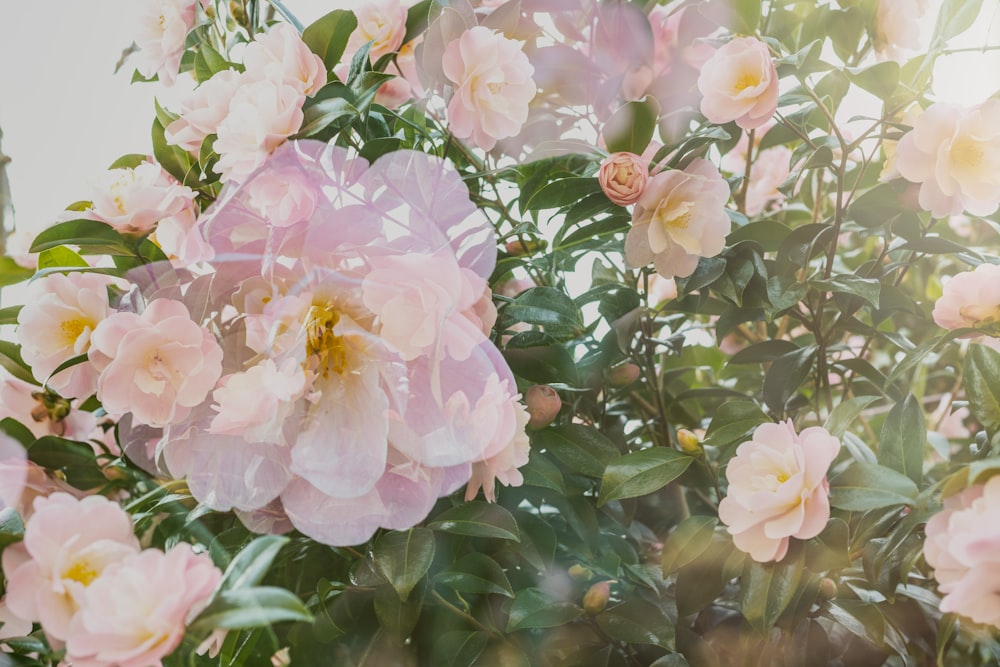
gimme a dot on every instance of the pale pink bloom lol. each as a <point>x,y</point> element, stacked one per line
<point>381,22</point>
<point>493,86</point>
<point>68,543</point>
<point>889,146</point>
<point>897,28</point>
<point>503,466</point>
<point>202,110</point>
<point>406,84</point>
<point>55,325</point>
<point>37,483</point>
<point>255,403</point>
<point>739,83</point>
<point>970,299</point>
<point>180,238</point>
<point>679,218</point>
<point>954,153</point>
<point>274,323</point>
<point>280,55</point>
<point>262,115</point>
<point>962,547</point>
<point>778,489</point>
<point>770,170</point>
<point>666,32</point>
<point>282,196</point>
<point>14,472</point>
<point>13,625</point>
<point>17,246</point>
<point>623,176</point>
<point>156,365</point>
<point>133,201</point>
<point>135,614</point>
<point>160,34</point>
<point>661,289</point>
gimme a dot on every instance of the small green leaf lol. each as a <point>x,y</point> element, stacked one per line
<point>10,359</point>
<point>954,18</point>
<point>733,420</point>
<point>688,541</point>
<point>403,558</point>
<point>251,563</point>
<point>845,413</point>
<point>75,460</point>
<point>904,439</point>
<point>327,37</point>
<point>397,616</point>
<point>12,273</point>
<point>543,473</point>
<point>866,288</point>
<point>533,608</point>
<point>641,472</point>
<point>563,192</point>
<point>785,376</point>
<point>866,486</point>
<point>477,519</point>
<point>250,608</point>
<point>94,235</point>
<point>9,314</point>
<point>631,127</point>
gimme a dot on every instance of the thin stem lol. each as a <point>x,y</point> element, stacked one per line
<point>286,14</point>
<point>466,616</point>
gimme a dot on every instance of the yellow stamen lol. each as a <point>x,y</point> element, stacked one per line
<point>81,572</point>
<point>322,342</point>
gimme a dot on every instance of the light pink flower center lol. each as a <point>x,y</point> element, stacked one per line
<point>967,153</point>
<point>746,80</point>
<point>72,329</point>
<point>81,572</point>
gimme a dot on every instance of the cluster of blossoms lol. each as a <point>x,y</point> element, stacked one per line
<point>81,573</point>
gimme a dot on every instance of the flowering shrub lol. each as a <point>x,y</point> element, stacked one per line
<point>515,333</point>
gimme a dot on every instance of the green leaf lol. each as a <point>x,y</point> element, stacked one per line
<point>641,472</point>
<point>981,371</point>
<point>765,351</point>
<point>583,449</point>
<point>12,273</point>
<point>904,439</point>
<point>954,18</point>
<point>867,486</point>
<point>768,588</point>
<point>785,376</point>
<point>860,618</point>
<point>403,558</point>
<point>534,608</point>
<point>866,288</point>
<point>320,116</point>
<point>845,413</point>
<point>10,359</point>
<point>75,460</point>
<point>637,621</point>
<point>9,314</point>
<point>208,61</point>
<point>327,37</point>
<point>60,257</point>
<point>458,648</point>
<point>880,79</point>
<point>11,527</point>
<point>96,236</point>
<point>550,308</point>
<point>542,472</point>
<point>631,127</point>
<point>563,192</point>
<point>477,519</point>
<point>17,430</point>
<point>250,608</point>
<point>396,616</point>
<point>688,541</point>
<point>252,562</point>
<point>478,574</point>
<point>733,420</point>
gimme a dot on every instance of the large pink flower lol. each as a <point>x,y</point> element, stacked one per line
<point>381,22</point>
<point>203,110</point>
<point>67,544</point>
<point>778,489</point>
<point>739,83</point>
<point>156,365</point>
<point>55,325</point>
<point>134,200</point>
<point>280,55</point>
<point>135,613</point>
<point>954,153</point>
<point>963,547</point>
<point>493,86</point>
<point>680,217</point>
<point>971,299</point>
<point>162,29</point>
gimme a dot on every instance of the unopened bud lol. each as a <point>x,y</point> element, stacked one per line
<point>579,572</point>
<point>827,588</point>
<point>519,247</point>
<point>688,441</point>
<point>543,405</point>
<point>596,597</point>
<point>623,375</point>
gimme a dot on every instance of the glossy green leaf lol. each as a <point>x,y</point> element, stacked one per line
<point>249,608</point>
<point>541,472</point>
<point>327,37</point>
<point>395,615</point>
<point>549,308</point>
<point>75,460</point>
<point>563,192</point>
<point>12,273</point>
<point>403,558</point>
<point>10,359</point>
<point>534,608</point>
<point>637,621</point>
<point>904,439</point>
<point>631,127</point>
<point>60,257</point>
<point>881,79</point>
<point>688,541</point>
<point>95,236</point>
<point>982,384</point>
<point>251,563</point>
<point>478,574</point>
<point>785,376</point>
<point>767,589</point>
<point>845,413</point>
<point>733,420</point>
<point>641,473</point>
<point>581,448</point>
<point>867,486</point>
<point>458,648</point>
<point>9,314</point>
<point>477,519</point>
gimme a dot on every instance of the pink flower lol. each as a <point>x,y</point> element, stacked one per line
<point>25,403</point>
<point>770,170</point>
<point>283,196</point>
<point>511,447</point>
<point>623,177</point>
<point>13,626</point>
<point>406,83</point>
<point>133,201</point>
<point>778,489</point>
<point>67,544</point>
<point>55,325</point>
<point>971,299</point>
<point>156,365</point>
<point>180,239</point>
<point>255,403</point>
<point>262,114</point>
<point>280,55</point>
<point>543,404</point>
<point>493,86</point>
<point>954,153</point>
<point>381,22</point>
<point>897,28</point>
<point>739,83</point>
<point>203,110</point>
<point>160,35</point>
<point>135,613</point>
<point>679,217</point>
<point>962,547</point>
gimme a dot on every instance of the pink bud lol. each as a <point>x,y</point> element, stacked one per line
<point>623,177</point>
<point>543,405</point>
<point>623,375</point>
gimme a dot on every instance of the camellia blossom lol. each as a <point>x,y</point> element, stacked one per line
<point>679,217</point>
<point>961,546</point>
<point>280,55</point>
<point>493,86</point>
<point>623,177</point>
<point>513,447</point>
<point>161,32</point>
<point>156,365</point>
<point>778,489</point>
<point>68,543</point>
<point>381,22</point>
<point>202,110</point>
<point>739,83</point>
<point>897,28</point>
<point>136,612</point>
<point>55,325</point>
<point>134,200</point>
<point>971,299</point>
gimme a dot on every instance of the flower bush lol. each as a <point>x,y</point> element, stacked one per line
<point>515,333</point>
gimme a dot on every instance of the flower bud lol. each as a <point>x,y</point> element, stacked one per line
<point>688,441</point>
<point>579,572</point>
<point>519,248</point>
<point>596,597</point>
<point>623,177</point>
<point>623,375</point>
<point>827,588</point>
<point>543,405</point>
